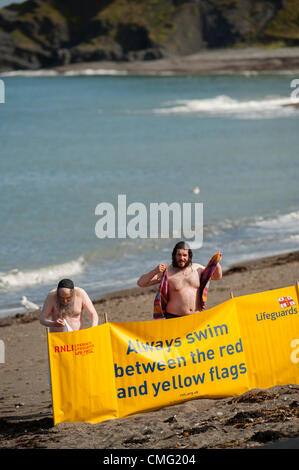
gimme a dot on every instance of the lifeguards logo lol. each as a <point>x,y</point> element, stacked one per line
<point>286,301</point>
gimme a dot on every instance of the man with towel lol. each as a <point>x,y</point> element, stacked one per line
<point>184,290</point>
<point>63,308</point>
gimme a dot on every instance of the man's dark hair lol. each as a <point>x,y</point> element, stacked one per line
<point>181,246</point>
<point>65,284</point>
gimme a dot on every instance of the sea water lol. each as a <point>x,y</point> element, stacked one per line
<point>71,142</point>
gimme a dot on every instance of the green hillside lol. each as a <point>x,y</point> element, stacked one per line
<point>44,33</point>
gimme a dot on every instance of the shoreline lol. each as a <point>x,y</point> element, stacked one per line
<point>217,61</point>
<point>242,60</point>
<point>254,264</point>
<point>228,285</point>
<point>248,421</point>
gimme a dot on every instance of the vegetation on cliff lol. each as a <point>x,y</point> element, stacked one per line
<point>44,33</point>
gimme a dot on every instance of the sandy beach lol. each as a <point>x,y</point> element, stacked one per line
<point>254,419</point>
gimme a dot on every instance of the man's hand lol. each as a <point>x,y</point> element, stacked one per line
<point>161,268</point>
<point>59,323</point>
<point>153,277</point>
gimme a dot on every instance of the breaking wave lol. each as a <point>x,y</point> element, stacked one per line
<point>15,279</point>
<point>222,105</point>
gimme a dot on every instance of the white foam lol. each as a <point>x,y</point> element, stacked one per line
<point>67,73</point>
<point>15,279</point>
<point>292,239</point>
<point>91,72</point>
<point>30,73</point>
<point>284,221</point>
<point>267,107</point>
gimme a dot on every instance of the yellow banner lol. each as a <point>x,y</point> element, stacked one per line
<point>118,369</point>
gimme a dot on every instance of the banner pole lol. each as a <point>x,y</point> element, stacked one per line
<point>231,294</point>
<point>50,378</point>
<point>106,317</point>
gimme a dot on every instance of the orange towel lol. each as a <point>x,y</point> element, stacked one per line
<point>205,277</point>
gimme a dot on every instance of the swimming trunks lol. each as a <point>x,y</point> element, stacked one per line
<point>168,315</point>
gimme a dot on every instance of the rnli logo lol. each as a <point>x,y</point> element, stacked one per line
<point>286,301</point>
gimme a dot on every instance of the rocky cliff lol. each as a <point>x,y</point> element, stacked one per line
<point>47,33</point>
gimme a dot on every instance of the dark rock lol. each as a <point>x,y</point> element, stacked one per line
<point>267,436</point>
<point>171,419</point>
<point>133,37</point>
<point>255,396</point>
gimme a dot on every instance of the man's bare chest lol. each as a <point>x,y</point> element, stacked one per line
<point>181,280</point>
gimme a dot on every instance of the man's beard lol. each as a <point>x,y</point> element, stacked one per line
<point>65,309</point>
<point>176,265</point>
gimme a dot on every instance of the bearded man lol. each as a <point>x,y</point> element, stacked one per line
<point>63,308</point>
<point>183,281</point>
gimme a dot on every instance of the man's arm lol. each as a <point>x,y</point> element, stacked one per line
<point>90,309</point>
<point>152,277</point>
<point>45,314</point>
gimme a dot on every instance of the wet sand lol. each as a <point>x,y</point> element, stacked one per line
<point>251,420</point>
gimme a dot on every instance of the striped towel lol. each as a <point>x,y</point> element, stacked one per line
<point>205,278</point>
<point>161,298</point>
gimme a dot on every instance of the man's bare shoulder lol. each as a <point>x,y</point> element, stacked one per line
<point>171,270</point>
<point>52,294</point>
<point>50,300</point>
<point>79,292</point>
<point>198,267</point>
